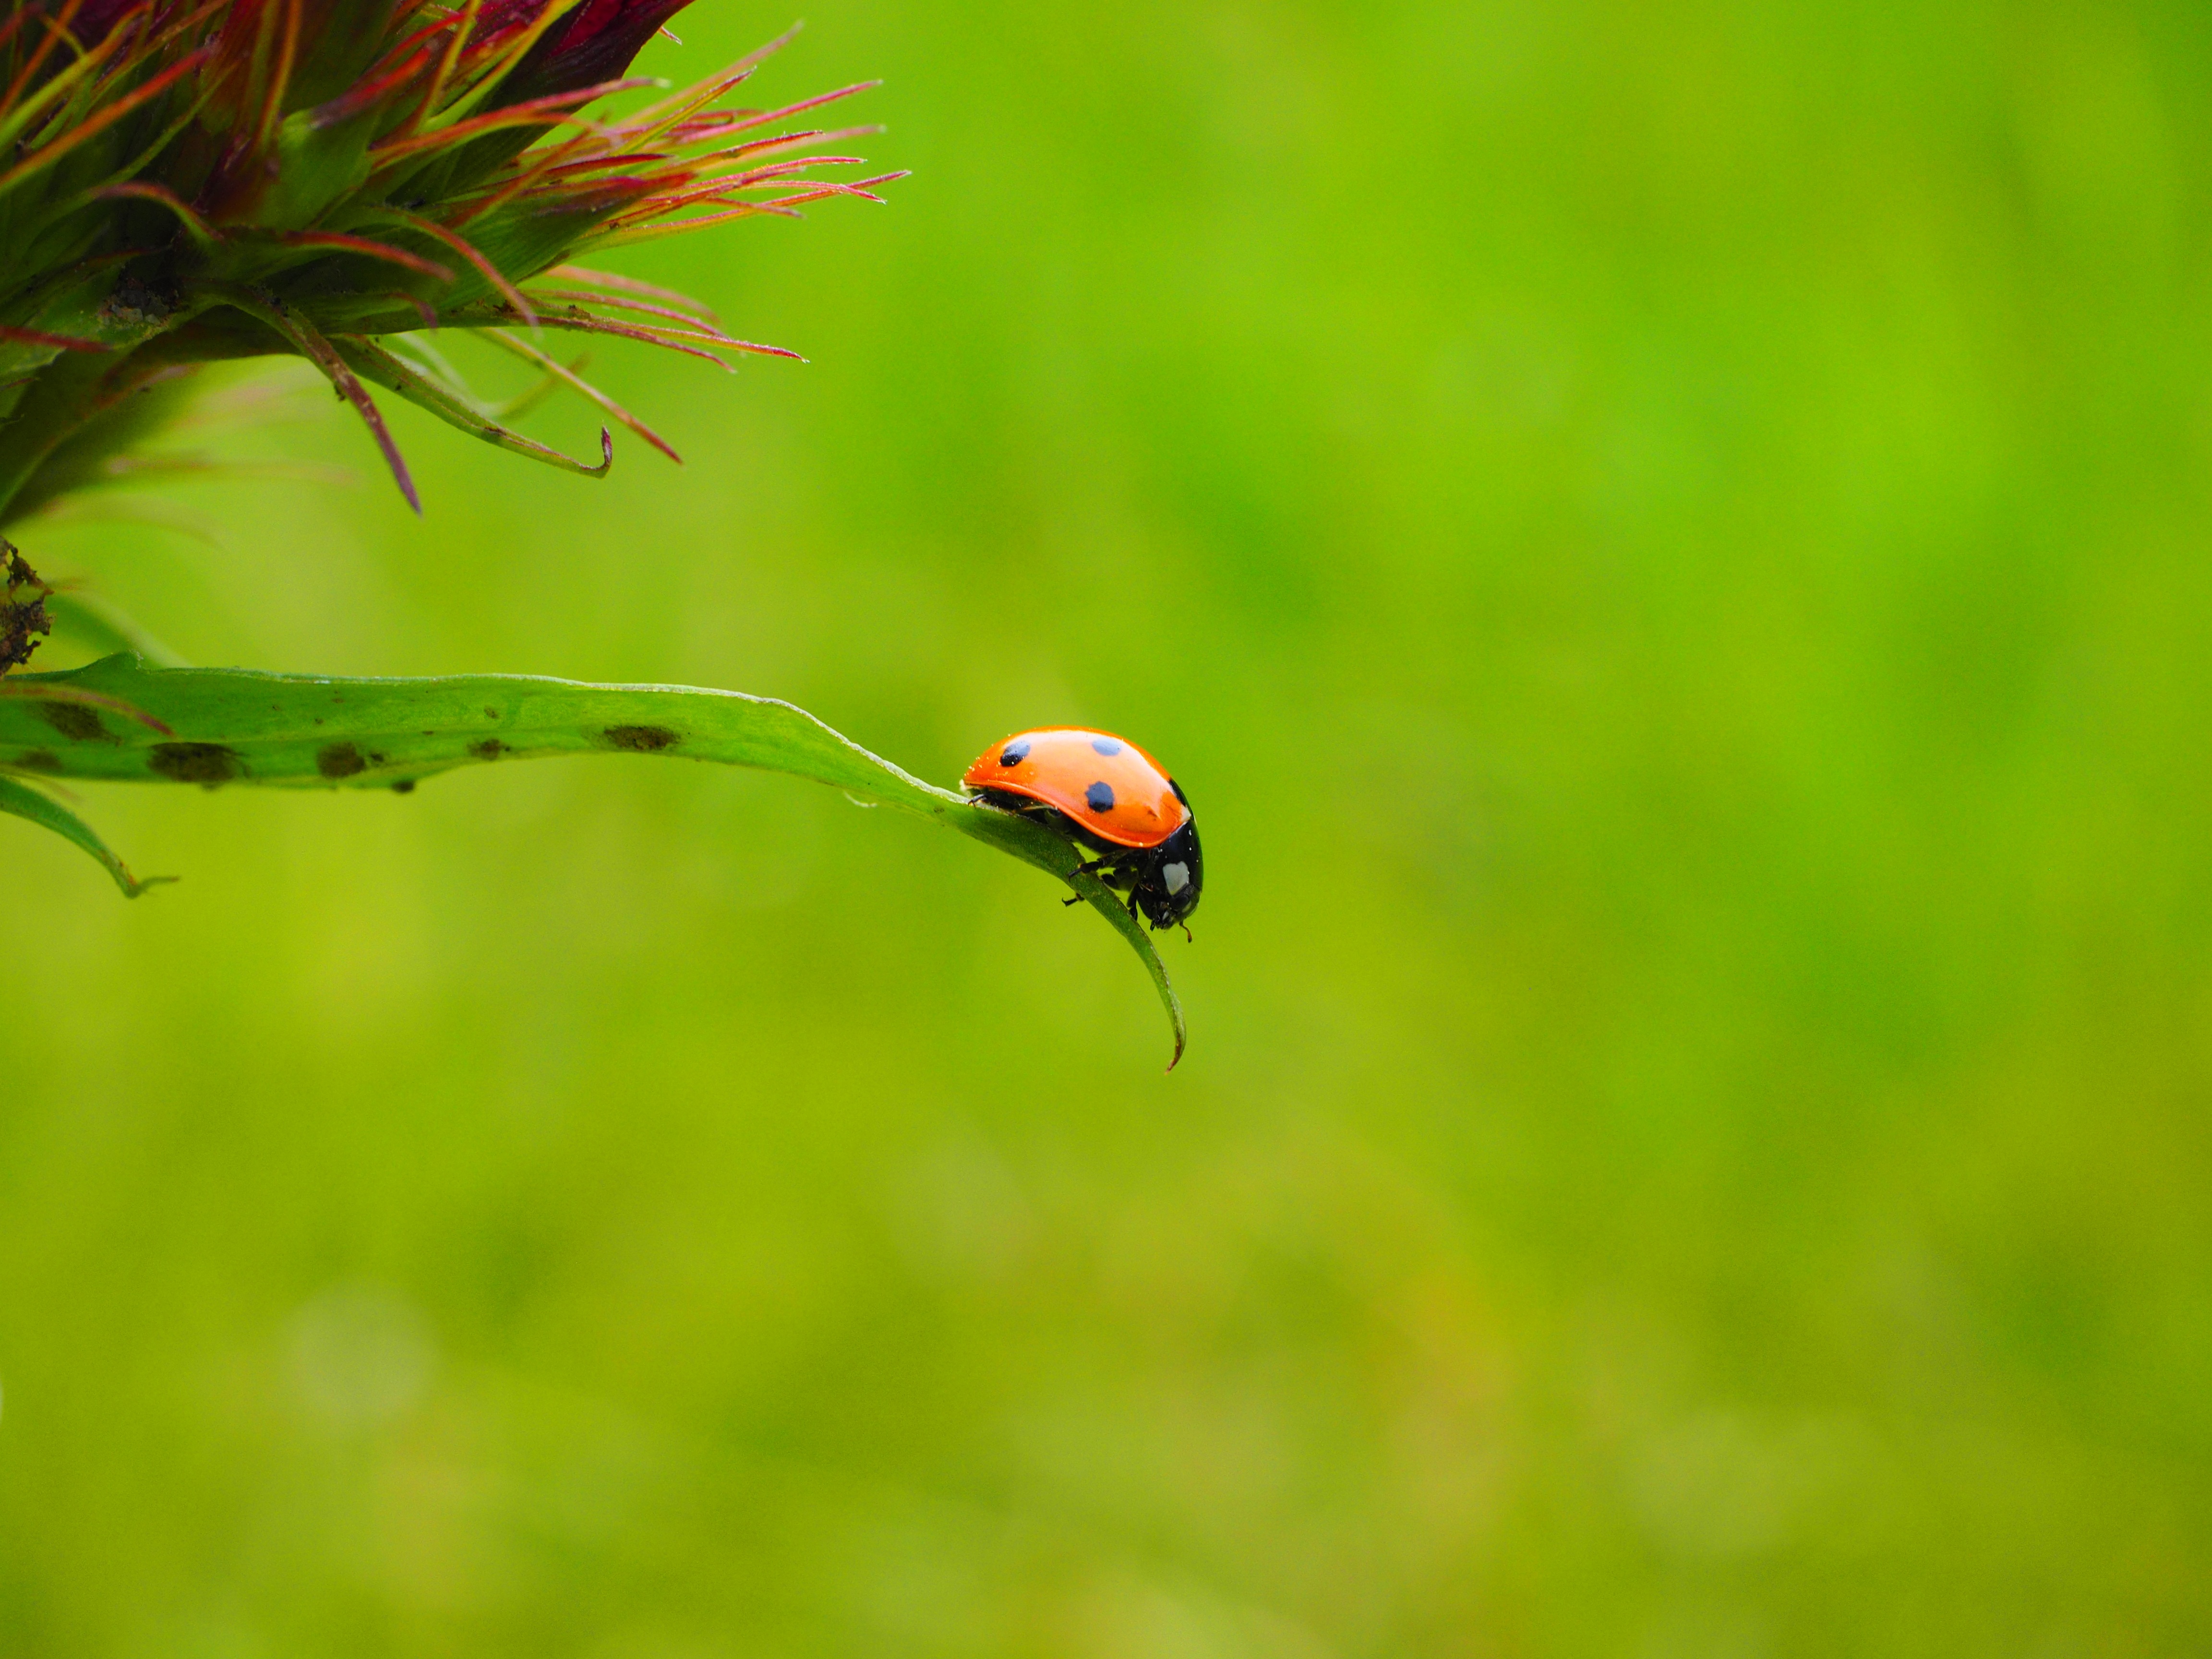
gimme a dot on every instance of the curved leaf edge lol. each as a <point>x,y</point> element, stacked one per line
<point>21,801</point>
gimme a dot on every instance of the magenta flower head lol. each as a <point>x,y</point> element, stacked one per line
<point>332,179</point>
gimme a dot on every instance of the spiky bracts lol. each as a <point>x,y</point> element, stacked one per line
<point>185,182</point>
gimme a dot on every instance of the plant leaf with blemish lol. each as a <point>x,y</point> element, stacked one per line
<point>297,731</point>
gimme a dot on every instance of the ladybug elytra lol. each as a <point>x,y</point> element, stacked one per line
<point>1104,793</point>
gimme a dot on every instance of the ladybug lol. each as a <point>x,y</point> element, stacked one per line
<point>1104,793</point>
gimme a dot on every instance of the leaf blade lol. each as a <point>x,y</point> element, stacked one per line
<point>21,801</point>
<point>293,731</point>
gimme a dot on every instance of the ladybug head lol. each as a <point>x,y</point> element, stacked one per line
<point>1167,886</point>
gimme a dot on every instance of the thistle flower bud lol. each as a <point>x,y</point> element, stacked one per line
<point>181,183</point>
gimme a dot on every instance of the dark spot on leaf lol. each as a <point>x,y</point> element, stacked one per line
<point>1107,745</point>
<point>194,763</point>
<point>375,759</point>
<point>39,759</point>
<point>642,739</point>
<point>489,749</point>
<point>1015,752</point>
<point>491,714</point>
<point>73,720</point>
<point>403,787</point>
<point>1099,797</point>
<point>339,760</point>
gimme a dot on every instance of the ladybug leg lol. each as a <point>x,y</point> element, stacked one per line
<point>1114,873</point>
<point>1090,867</point>
<point>1101,866</point>
<point>1113,869</point>
<point>1079,899</point>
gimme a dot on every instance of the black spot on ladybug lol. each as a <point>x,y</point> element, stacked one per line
<point>1015,752</point>
<point>1107,745</point>
<point>1099,797</point>
<point>339,760</point>
<point>194,763</point>
<point>73,720</point>
<point>642,739</point>
<point>489,749</point>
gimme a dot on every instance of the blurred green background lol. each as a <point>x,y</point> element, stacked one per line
<point>1671,547</point>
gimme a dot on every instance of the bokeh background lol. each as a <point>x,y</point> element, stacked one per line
<point>1672,547</point>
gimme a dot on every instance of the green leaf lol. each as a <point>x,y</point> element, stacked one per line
<point>19,800</point>
<point>237,726</point>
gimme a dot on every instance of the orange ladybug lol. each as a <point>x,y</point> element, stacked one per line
<point>1104,793</point>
